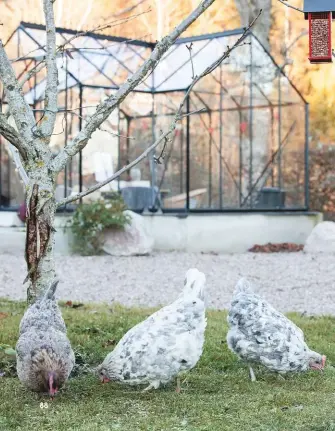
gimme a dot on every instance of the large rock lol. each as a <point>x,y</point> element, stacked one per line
<point>134,240</point>
<point>321,239</point>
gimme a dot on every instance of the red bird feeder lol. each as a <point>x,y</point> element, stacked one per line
<point>320,14</point>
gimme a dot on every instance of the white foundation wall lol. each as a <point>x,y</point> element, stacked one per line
<point>229,233</point>
<point>222,233</point>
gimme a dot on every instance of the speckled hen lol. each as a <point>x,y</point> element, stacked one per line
<point>260,334</point>
<point>163,346</point>
<point>44,354</point>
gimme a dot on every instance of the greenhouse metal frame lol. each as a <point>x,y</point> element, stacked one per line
<point>243,137</point>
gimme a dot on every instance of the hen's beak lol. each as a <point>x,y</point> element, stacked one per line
<point>316,367</point>
<point>319,367</point>
<point>52,394</point>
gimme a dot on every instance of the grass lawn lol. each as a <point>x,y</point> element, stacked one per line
<point>218,394</point>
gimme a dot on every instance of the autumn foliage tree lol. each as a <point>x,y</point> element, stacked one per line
<point>321,178</point>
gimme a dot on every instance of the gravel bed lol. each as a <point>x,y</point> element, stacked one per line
<point>290,281</point>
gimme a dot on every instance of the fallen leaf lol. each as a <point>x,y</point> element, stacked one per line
<point>3,315</point>
<point>4,346</point>
<point>299,407</point>
<point>109,343</point>
<point>296,407</point>
<point>10,351</point>
<point>72,305</point>
<point>93,330</point>
<point>276,248</point>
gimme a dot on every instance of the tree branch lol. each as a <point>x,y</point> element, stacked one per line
<point>19,108</point>
<point>51,91</point>
<point>107,107</point>
<point>119,172</point>
<point>15,146</point>
<point>61,49</point>
<point>18,164</point>
<point>284,2</point>
<point>128,9</point>
<point>39,66</point>
<point>9,133</point>
<point>295,40</point>
<point>166,137</point>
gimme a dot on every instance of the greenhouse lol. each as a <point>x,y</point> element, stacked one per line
<point>242,144</point>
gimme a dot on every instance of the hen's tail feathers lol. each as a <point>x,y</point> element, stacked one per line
<point>195,283</point>
<point>49,294</point>
<point>243,285</point>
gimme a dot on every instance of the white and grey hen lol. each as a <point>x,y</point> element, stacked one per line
<point>164,345</point>
<point>260,334</point>
<point>44,354</point>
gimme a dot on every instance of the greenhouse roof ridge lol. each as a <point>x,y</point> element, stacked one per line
<point>92,34</point>
<point>208,36</point>
<point>139,42</point>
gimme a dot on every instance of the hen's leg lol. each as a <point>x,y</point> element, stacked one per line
<point>153,385</point>
<point>252,375</point>
<point>178,388</point>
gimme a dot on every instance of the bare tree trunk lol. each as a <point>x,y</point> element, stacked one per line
<point>41,209</point>
<point>40,240</point>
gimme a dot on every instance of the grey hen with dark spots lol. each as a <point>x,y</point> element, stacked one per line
<point>44,354</point>
<point>260,334</point>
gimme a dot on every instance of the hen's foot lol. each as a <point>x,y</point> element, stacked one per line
<point>153,385</point>
<point>252,375</point>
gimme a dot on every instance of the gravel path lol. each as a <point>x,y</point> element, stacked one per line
<point>291,282</point>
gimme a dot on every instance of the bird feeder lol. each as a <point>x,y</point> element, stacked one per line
<point>320,14</point>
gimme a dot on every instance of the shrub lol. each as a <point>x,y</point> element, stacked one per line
<point>91,219</point>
